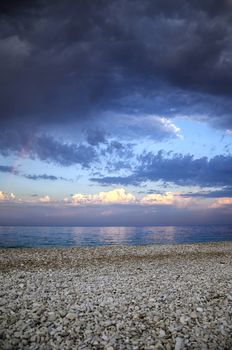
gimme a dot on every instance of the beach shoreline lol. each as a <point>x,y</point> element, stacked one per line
<point>27,258</point>
<point>117,297</point>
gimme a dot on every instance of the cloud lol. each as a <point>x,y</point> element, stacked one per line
<point>45,199</point>
<point>3,196</point>
<point>95,137</point>
<point>127,126</point>
<point>13,170</point>
<point>229,132</point>
<point>6,197</point>
<point>116,155</point>
<point>167,198</point>
<point>178,169</point>
<point>8,169</point>
<point>46,148</point>
<point>43,177</point>
<point>118,195</point>
<point>118,180</point>
<point>117,148</point>
<point>222,202</point>
<point>13,213</point>
<point>15,48</point>
<point>224,192</point>
<point>147,56</point>
<point>115,196</point>
<point>159,199</point>
<point>166,126</point>
<point>116,207</point>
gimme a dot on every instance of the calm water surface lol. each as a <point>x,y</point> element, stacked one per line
<point>34,236</point>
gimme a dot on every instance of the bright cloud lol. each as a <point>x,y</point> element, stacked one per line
<point>153,126</point>
<point>5,196</point>
<point>221,202</point>
<point>118,195</point>
<point>121,196</point>
<point>167,198</point>
<point>158,127</point>
<point>159,199</point>
<point>166,125</point>
<point>45,199</point>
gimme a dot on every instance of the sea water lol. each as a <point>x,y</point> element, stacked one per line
<point>40,236</point>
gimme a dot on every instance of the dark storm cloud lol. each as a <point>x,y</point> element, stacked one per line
<point>15,7</point>
<point>178,169</point>
<point>68,60</point>
<point>46,148</point>
<point>95,137</point>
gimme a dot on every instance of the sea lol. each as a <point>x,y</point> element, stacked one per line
<point>41,236</point>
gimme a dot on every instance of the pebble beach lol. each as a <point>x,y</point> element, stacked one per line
<point>119,297</point>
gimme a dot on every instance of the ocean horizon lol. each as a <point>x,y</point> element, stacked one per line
<point>94,236</point>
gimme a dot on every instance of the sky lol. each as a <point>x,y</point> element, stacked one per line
<point>115,113</point>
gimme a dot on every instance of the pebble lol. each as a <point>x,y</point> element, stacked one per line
<point>52,316</point>
<point>71,316</point>
<point>159,346</point>
<point>17,335</point>
<point>182,320</point>
<point>179,343</point>
<point>162,333</point>
<point>3,301</point>
<point>199,309</point>
<point>116,298</point>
